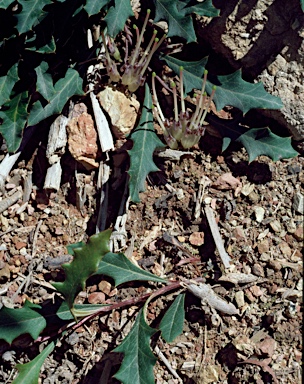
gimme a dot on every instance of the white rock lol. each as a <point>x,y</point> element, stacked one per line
<point>298,203</point>
<point>259,214</point>
<point>121,110</point>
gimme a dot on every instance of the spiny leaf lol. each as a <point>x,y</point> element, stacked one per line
<point>138,362</point>
<point>204,8</point>
<point>7,83</point>
<point>179,23</point>
<point>29,372</point>
<point>19,321</point>
<point>14,120</point>
<point>65,88</point>
<point>257,141</point>
<point>122,270</point>
<point>172,323</point>
<point>93,7</point>
<point>231,89</point>
<point>85,264</point>
<point>302,4</point>
<point>261,141</point>
<point>141,155</point>
<point>31,13</point>
<point>117,16</point>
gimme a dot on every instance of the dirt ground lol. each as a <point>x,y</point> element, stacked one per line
<point>262,232</point>
<point>259,212</point>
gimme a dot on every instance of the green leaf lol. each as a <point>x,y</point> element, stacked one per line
<point>47,48</point>
<point>257,141</point>
<point>30,14</point>
<point>93,7</point>
<point>19,321</point>
<point>85,264</point>
<point>29,372</point>
<point>302,4</point>
<point>5,3</point>
<point>231,89</point>
<point>117,16</point>
<point>122,270</point>
<point>172,323</point>
<point>65,88</point>
<point>179,23</point>
<point>7,83</point>
<point>137,365</point>
<point>141,155</point>
<point>204,8</point>
<point>14,120</point>
<point>261,141</point>
<point>45,81</point>
<point>79,310</point>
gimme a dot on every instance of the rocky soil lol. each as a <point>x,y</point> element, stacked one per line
<point>258,209</point>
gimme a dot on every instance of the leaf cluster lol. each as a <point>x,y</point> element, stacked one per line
<point>92,258</point>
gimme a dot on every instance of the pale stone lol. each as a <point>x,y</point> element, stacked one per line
<point>259,214</point>
<point>298,203</point>
<point>121,110</point>
<point>197,238</point>
<point>240,299</point>
<point>276,226</point>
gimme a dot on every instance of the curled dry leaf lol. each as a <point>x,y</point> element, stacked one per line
<point>207,295</point>
<point>238,278</point>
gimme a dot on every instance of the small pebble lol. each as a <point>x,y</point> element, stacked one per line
<point>96,298</point>
<point>259,214</point>
<point>276,226</point>
<point>258,270</point>
<point>240,299</point>
<point>298,203</point>
<point>73,338</point>
<point>299,234</point>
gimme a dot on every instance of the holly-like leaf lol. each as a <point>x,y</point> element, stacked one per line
<point>29,372</point>
<point>84,264</point>
<point>122,270</point>
<point>117,16</point>
<point>14,120</point>
<point>138,362</point>
<point>92,7</point>
<point>30,14</point>
<point>257,141</point>
<point>302,4</point>
<point>141,155</point>
<point>20,321</point>
<point>59,94</point>
<point>172,322</point>
<point>179,23</point>
<point>203,8</point>
<point>231,89</point>
<point>7,83</point>
<point>261,141</point>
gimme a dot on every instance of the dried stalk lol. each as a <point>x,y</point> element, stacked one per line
<point>217,237</point>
